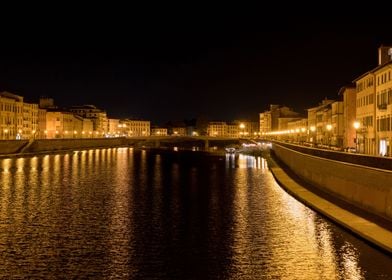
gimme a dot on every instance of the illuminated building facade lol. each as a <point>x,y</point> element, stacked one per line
<point>349,115</point>
<point>132,128</point>
<point>98,117</point>
<point>30,121</point>
<point>179,131</point>
<point>158,131</point>
<point>373,106</point>
<point>11,116</point>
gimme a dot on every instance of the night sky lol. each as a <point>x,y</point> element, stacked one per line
<point>171,67</point>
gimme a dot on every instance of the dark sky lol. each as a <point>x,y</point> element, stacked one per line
<point>175,66</point>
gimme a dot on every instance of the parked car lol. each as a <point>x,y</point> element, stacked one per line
<point>350,150</point>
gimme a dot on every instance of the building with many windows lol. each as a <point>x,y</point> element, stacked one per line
<point>276,119</point>
<point>374,106</point>
<point>30,121</point>
<point>114,127</point>
<point>131,128</point>
<point>348,93</point>
<point>159,131</point>
<point>365,140</point>
<point>382,76</point>
<point>217,129</point>
<point>11,116</point>
<point>98,117</point>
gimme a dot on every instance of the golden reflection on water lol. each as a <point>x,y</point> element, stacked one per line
<point>309,251</point>
<point>120,224</point>
<point>78,210</point>
<point>245,161</point>
<point>350,269</point>
<point>6,178</point>
<point>5,165</point>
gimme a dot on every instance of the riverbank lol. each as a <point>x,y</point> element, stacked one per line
<point>369,227</point>
<point>14,149</point>
<point>22,148</point>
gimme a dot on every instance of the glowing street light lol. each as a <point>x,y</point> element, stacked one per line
<point>329,128</point>
<point>242,126</point>
<point>356,126</point>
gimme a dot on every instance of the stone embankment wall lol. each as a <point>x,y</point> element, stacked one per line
<point>72,144</point>
<point>11,146</point>
<point>366,187</point>
<point>19,147</point>
<point>41,145</point>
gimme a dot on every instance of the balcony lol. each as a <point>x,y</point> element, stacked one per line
<point>382,106</point>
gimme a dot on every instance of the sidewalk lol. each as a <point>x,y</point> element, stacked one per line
<point>364,227</point>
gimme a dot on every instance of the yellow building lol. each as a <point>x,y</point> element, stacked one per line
<point>320,123</point>
<point>349,115</point>
<point>158,131</point>
<point>133,128</point>
<point>62,124</point>
<point>236,129</point>
<point>366,114</point>
<point>373,106</point>
<point>297,130</point>
<point>217,129</point>
<point>98,117</point>
<point>30,121</point>
<point>179,131</point>
<point>383,78</point>
<point>265,122</point>
<point>87,128</point>
<point>11,116</point>
<point>114,127</point>
<point>40,133</point>
<point>232,130</point>
<point>274,120</point>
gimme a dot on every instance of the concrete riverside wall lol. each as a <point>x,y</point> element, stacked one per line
<point>366,187</point>
<point>11,146</point>
<point>72,144</point>
<point>361,159</point>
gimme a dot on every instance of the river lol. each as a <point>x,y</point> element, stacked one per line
<point>135,214</point>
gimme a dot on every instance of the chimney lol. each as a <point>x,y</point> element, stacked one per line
<point>384,54</point>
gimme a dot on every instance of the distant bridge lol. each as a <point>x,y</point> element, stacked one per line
<point>185,141</point>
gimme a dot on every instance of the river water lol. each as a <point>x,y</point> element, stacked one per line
<point>134,214</point>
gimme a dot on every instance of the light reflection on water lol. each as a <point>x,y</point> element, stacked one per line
<point>130,214</point>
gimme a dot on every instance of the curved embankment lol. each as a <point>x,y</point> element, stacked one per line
<point>366,188</point>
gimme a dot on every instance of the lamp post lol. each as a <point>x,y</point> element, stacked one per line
<point>356,126</point>
<point>329,128</point>
<point>312,134</point>
<point>242,126</point>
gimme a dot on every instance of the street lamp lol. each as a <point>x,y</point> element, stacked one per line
<point>242,126</point>
<point>329,128</point>
<point>356,126</point>
<point>313,130</point>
